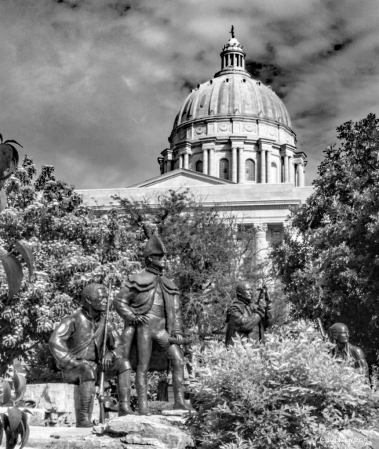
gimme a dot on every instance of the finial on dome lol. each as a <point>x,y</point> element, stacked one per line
<point>232,55</point>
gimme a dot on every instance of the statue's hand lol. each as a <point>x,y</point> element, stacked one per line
<point>141,319</point>
<point>107,361</point>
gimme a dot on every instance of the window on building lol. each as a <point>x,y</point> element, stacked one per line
<point>250,170</point>
<point>274,172</point>
<point>199,166</point>
<point>224,169</point>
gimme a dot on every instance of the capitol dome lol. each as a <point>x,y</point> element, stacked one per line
<point>235,128</point>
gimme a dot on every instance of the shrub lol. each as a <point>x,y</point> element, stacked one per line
<point>285,393</point>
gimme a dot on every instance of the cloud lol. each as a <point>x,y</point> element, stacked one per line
<point>93,86</point>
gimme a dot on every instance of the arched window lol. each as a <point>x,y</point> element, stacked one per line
<point>199,166</point>
<point>250,170</point>
<point>274,172</point>
<point>224,169</point>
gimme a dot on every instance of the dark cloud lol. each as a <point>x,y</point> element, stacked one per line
<point>93,86</point>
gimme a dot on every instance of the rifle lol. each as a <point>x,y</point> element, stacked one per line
<point>322,331</point>
<point>102,358</point>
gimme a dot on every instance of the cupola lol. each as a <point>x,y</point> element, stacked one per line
<point>232,57</point>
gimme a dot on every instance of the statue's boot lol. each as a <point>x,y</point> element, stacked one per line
<point>86,393</point>
<point>177,386</point>
<point>141,386</point>
<point>123,390</point>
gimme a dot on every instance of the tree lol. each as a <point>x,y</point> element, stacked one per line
<point>205,257</point>
<point>329,259</point>
<point>72,247</point>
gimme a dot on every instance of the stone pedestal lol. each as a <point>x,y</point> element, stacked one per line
<point>61,396</point>
<point>128,432</point>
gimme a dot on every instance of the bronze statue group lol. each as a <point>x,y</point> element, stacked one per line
<point>87,348</point>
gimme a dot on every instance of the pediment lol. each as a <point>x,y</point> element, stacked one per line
<point>181,178</point>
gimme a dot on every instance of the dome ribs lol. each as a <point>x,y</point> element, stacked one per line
<point>255,95</point>
<point>223,98</point>
<point>236,95</point>
<point>213,100</point>
<point>268,109</point>
<point>183,110</point>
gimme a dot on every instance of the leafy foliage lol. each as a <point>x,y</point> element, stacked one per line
<point>286,393</point>
<point>205,259</point>
<point>329,259</point>
<point>72,247</point>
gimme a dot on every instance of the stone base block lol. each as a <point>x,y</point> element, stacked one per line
<point>62,397</point>
<point>127,432</point>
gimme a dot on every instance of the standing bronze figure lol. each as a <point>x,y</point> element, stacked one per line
<point>246,318</point>
<point>339,334</point>
<point>150,307</point>
<point>76,345</point>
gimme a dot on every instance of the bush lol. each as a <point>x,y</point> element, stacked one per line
<point>285,393</point>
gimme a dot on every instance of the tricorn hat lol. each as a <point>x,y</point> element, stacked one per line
<point>154,247</point>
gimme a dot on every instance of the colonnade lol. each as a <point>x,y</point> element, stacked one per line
<point>288,169</point>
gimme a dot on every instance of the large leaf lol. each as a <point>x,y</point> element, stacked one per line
<point>19,386</point>
<point>13,270</point>
<point>23,248</point>
<point>13,141</point>
<point>1,425</point>
<point>6,396</point>
<point>26,430</point>
<point>3,199</point>
<point>15,416</point>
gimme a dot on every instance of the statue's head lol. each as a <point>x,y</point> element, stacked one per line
<point>245,290</point>
<point>339,332</point>
<point>155,253</point>
<point>95,296</point>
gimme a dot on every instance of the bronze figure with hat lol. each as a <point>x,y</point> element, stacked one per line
<point>150,307</point>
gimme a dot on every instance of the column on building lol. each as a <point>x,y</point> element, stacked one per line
<point>241,166</point>
<point>234,163</point>
<point>186,161</point>
<point>263,165</point>
<point>205,161</point>
<point>180,161</point>
<point>301,168</point>
<point>260,242</point>
<point>269,169</point>
<point>290,169</point>
<point>285,168</point>
<point>212,161</point>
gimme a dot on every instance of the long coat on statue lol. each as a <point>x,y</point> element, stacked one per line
<point>141,295</point>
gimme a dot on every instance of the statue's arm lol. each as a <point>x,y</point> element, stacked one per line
<point>178,321</point>
<point>122,303</point>
<point>58,343</point>
<point>244,322</point>
<point>360,361</point>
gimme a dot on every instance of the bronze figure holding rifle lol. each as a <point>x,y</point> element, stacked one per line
<point>150,307</point>
<point>247,318</point>
<point>83,354</point>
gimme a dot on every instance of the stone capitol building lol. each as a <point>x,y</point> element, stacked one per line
<point>233,145</point>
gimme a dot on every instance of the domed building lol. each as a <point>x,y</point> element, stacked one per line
<point>235,128</point>
<point>233,145</point>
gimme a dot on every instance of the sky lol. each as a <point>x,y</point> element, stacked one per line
<point>93,86</point>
